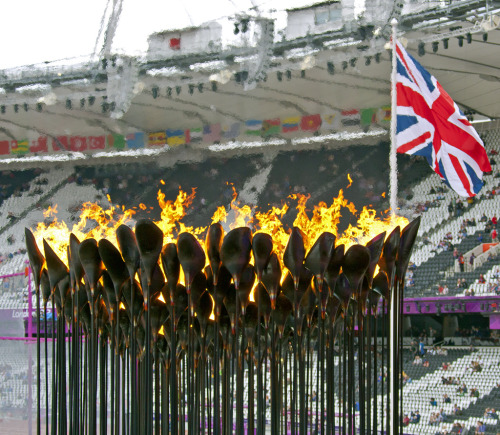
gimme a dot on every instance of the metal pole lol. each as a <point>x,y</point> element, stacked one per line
<point>393,312</point>
<point>393,163</point>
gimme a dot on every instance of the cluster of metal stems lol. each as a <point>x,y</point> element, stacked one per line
<point>137,352</point>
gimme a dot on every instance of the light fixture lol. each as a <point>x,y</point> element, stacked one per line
<point>236,29</point>
<point>353,62</point>
<point>39,107</point>
<point>421,49</point>
<point>214,86</point>
<point>82,103</point>
<point>155,90</point>
<point>469,38</point>
<point>16,108</point>
<point>485,37</point>
<point>368,60</point>
<point>2,108</point>
<point>26,107</point>
<point>288,74</point>
<point>169,91</point>
<point>435,46</point>
<point>377,57</point>
<point>344,65</point>
<point>178,90</point>
<point>91,100</point>
<point>244,25</point>
<point>460,41</point>
<point>191,89</point>
<point>445,43</point>
<point>331,68</point>
<point>200,87</point>
<point>303,74</point>
<point>279,75</point>
<point>68,104</point>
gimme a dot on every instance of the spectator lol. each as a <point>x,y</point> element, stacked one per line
<point>406,420</point>
<point>480,428</point>
<point>461,262</point>
<point>494,235</point>
<point>433,402</point>
<point>446,399</point>
<point>471,260</point>
<point>494,221</point>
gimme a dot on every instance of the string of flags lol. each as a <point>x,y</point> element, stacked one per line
<point>212,133</point>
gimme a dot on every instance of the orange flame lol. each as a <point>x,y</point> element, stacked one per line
<point>98,222</point>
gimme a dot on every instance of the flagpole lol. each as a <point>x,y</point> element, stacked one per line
<point>393,309</point>
<point>393,163</point>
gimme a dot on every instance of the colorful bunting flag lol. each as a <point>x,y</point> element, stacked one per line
<point>116,141</point>
<point>4,147</point>
<point>310,123</point>
<point>350,118</point>
<point>39,145</point>
<point>384,114</point>
<point>330,121</point>
<point>271,126</point>
<point>211,133</point>
<point>368,116</point>
<point>195,135</point>
<point>253,127</point>
<point>176,137</point>
<point>291,124</point>
<point>231,131</point>
<point>60,143</point>
<point>135,140</point>
<point>158,138</point>
<point>77,143</point>
<point>20,147</point>
<point>97,142</point>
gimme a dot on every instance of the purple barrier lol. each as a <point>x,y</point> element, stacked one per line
<point>452,305</point>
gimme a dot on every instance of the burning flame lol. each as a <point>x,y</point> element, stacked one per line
<point>99,223</point>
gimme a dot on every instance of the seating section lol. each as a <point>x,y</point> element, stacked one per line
<point>417,394</point>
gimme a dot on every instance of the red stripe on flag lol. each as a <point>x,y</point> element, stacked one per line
<point>408,146</point>
<point>460,172</point>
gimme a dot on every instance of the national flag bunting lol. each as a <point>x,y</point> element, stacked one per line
<point>330,121</point>
<point>39,145</point>
<point>4,147</point>
<point>310,123</point>
<point>430,124</point>
<point>20,147</point>
<point>196,135</point>
<point>271,126</point>
<point>176,137</point>
<point>116,141</point>
<point>231,131</point>
<point>291,124</point>
<point>77,143</point>
<point>211,133</point>
<point>158,138</point>
<point>253,127</point>
<point>135,140</point>
<point>350,118</point>
<point>97,142</point>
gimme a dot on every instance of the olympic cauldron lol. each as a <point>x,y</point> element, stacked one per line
<point>232,335</point>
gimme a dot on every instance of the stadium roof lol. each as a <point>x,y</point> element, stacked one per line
<point>320,73</point>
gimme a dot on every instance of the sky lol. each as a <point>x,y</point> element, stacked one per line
<point>37,31</point>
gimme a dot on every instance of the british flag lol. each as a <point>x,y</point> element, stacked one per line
<point>430,124</point>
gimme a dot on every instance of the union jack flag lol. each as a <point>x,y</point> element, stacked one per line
<point>430,124</point>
